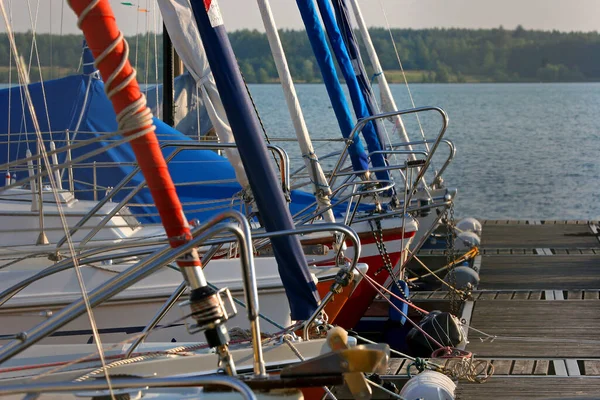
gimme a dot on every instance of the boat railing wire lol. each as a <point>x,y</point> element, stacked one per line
<point>134,210</point>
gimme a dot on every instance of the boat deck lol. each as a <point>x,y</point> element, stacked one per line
<point>536,311</point>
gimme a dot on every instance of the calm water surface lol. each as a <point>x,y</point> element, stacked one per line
<point>524,151</point>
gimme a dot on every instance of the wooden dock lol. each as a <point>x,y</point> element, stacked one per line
<point>536,312</point>
<point>539,297</point>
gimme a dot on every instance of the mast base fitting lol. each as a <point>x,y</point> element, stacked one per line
<point>209,308</point>
<point>217,336</point>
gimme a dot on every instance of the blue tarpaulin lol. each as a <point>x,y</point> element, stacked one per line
<point>67,105</point>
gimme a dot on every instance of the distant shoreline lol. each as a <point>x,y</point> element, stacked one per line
<point>427,55</point>
<point>5,84</point>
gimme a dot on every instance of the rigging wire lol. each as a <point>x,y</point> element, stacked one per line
<point>412,101</point>
<point>373,98</point>
<point>372,283</point>
<point>137,33</point>
<point>156,20</point>
<point>433,273</point>
<point>147,55</point>
<point>35,50</point>
<point>8,130</point>
<point>51,38</point>
<point>51,178</point>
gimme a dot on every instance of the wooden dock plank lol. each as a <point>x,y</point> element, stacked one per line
<point>590,295</point>
<point>487,295</point>
<point>543,272</point>
<point>523,367</point>
<point>438,295</point>
<point>508,236</point>
<point>591,367</point>
<point>404,368</point>
<point>518,323</point>
<point>420,295</point>
<point>502,367</point>
<point>541,367</point>
<point>522,295</point>
<point>575,295</point>
<point>534,388</point>
<point>535,295</point>
<point>394,365</point>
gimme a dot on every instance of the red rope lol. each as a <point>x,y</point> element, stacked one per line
<point>401,313</point>
<point>374,282</point>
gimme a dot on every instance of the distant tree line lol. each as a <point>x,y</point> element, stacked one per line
<point>428,55</point>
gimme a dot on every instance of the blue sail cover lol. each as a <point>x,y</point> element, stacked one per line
<point>67,104</point>
<point>318,42</point>
<point>343,20</point>
<point>358,101</point>
<point>274,214</point>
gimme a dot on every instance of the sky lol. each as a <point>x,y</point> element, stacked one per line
<point>563,15</point>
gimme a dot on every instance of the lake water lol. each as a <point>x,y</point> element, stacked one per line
<point>524,151</point>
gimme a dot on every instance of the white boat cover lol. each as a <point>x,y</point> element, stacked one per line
<point>181,25</point>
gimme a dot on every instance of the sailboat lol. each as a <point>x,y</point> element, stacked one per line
<point>203,298</point>
<point>206,305</point>
<point>119,244</point>
<point>371,255</point>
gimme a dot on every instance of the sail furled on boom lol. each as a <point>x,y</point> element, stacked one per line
<point>348,70</point>
<point>179,21</point>
<point>321,187</point>
<point>274,213</point>
<point>318,42</point>
<point>343,20</point>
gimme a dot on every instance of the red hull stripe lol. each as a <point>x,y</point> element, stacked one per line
<point>365,238</point>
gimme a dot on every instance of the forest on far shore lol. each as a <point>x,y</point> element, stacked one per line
<point>427,55</point>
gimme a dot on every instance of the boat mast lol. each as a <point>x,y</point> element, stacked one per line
<point>320,185</point>
<point>369,132</point>
<point>188,50</point>
<point>111,51</point>
<point>318,43</point>
<point>388,103</point>
<point>272,207</point>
